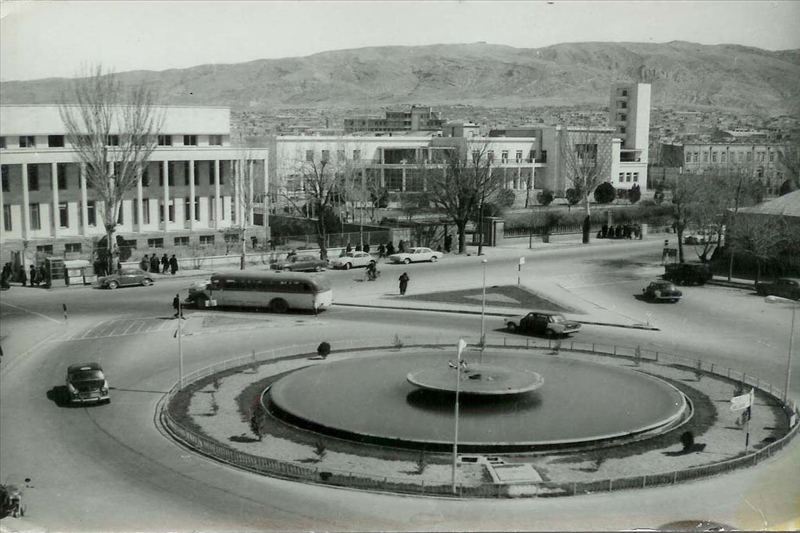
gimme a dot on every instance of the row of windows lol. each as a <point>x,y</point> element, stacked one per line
<point>626,177</point>
<point>721,157</point>
<point>58,141</point>
<point>326,155</point>
<point>262,285</point>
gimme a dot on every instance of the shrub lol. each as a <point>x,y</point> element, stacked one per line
<point>422,462</point>
<point>505,198</point>
<point>605,193</point>
<point>687,440</point>
<point>320,450</point>
<point>545,197</point>
<point>573,196</point>
<point>324,349</point>
<point>635,194</point>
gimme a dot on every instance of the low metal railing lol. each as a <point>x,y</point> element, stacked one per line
<point>282,469</point>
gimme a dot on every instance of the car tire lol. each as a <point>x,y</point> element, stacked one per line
<point>317,268</point>
<point>146,282</point>
<point>347,266</point>
<point>406,261</point>
<point>279,305</point>
<point>549,333</point>
<point>511,327</point>
<point>434,259</point>
<point>113,284</point>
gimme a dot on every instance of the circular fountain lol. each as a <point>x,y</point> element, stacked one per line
<point>408,401</point>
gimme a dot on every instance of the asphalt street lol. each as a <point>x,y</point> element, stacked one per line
<point>109,468</point>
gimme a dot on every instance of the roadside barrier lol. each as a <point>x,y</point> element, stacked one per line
<point>276,468</point>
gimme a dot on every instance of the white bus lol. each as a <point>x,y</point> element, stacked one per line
<point>276,291</point>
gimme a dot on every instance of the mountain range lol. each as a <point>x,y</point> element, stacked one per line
<point>683,75</point>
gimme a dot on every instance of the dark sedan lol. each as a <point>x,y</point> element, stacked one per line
<point>126,277</point>
<point>783,287</point>
<point>301,263</point>
<point>662,291</point>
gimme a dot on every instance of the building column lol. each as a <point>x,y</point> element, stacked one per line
<point>237,191</point>
<point>252,202</point>
<point>139,201</point>
<point>26,204</point>
<point>265,210</point>
<point>217,199</point>
<point>192,207</point>
<point>165,172</point>
<point>84,199</point>
<point>56,210</point>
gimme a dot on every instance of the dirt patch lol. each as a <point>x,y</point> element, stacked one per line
<point>511,296</point>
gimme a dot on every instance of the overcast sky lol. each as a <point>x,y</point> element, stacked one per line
<point>45,39</point>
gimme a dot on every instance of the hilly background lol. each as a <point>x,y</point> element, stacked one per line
<point>683,76</point>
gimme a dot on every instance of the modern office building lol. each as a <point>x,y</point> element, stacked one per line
<point>185,197</point>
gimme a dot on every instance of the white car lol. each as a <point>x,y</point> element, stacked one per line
<point>415,255</point>
<point>353,260</point>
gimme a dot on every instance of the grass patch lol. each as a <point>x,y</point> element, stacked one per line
<point>512,296</point>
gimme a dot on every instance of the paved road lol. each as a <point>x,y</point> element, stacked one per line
<point>109,469</point>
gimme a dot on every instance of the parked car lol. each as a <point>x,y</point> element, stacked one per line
<point>125,277</point>
<point>301,263</point>
<point>86,383</point>
<point>688,273</point>
<point>353,260</point>
<point>548,324</point>
<point>416,255</point>
<point>783,287</point>
<point>662,291</point>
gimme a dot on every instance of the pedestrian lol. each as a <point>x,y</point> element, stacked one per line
<point>164,264</point>
<point>348,249</point>
<point>145,263</point>
<point>366,247</point>
<point>372,271</point>
<point>33,275</point>
<point>390,249</point>
<point>381,251</point>
<point>154,263</point>
<point>448,243</point>
<point>271,245</point>
<point>23,277</point>
<point>403,283</point>
<point>254,241</point>
<point>176,305</point>
<point>605,231</point>
<point>358,247</point>
<point>401,246</point>
<point>173,264</point>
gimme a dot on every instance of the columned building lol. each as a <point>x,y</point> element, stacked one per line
<point>185,197</point>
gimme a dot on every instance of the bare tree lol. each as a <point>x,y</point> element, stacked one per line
<point>761,237</point>
<point>247,189</point>
<point>586,163</point>
<point>789,157</point>
<point>113,131</point>
<point>459,181</point>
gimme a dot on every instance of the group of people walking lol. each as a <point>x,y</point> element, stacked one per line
<point>166,265</point>
<point>620,231</point>
<point>35,276</point>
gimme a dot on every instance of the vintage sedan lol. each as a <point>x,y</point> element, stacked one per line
<point>125,277</point>
<point>783,287</point>
<point>662,291</point>
<point>86,383</point>
<point>353,260</point>
<point>301,263</point>
<point>540,323</point>
<point>416,255</point>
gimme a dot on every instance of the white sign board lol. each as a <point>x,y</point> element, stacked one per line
<point>521,260</point>
<point>742,402</point>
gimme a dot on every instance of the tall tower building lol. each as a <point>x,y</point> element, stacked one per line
<point>629,115</point>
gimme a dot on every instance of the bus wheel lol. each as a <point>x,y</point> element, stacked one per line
<point>279,305</point>
<point>201,302</point>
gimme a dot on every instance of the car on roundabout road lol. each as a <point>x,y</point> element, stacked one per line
<point>301,263</point>
<point>662,291</point>
<point>353,260</point>
<point>417,254</point>
<point>540,323</point>
<point>86,383</point>
<point>126,277</point>
<point>783,287</point>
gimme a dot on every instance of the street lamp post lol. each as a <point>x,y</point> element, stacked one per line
<point>483,311</point>
<point>779,300</point>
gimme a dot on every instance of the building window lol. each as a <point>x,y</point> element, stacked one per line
<point>722,157</point>
<point>146,177</point>
<point>155,243</point>
<point>55,141</point>
<point>121,214</point>
<point>91,213</point>
<point>46,249</point>
<point>63,214</point>
<point>197,208</point>
<point>206,239</point>
<point>635,177</point>
<point>340,155</point>
<point>190,140</point>
<point>621,129</point>
<point>132,244</point>
<point>741,157</point>
<point>73,247</point>
<point>587,154</point>
<point>160,174</point>
<point>627,176</point>
<point>749,156</point>
<point>490,157</point>
<point>197,173</point>
<point>36,221</point>
<point>222,168</point>
<point>61,173</point>
<point>771,157</point>
<point>622,105</point>
<point>760,172</point>
<point>181,241</point>
<point>326,156</point>
<point>518,157</point>
<point>27,141</point>
<point>622,117</point>
<point>695,155</point>
<point>504,156</point>
<point>622,177</point>
<point>171,174</point>
<point>4,172</point>
<point>713,157</point>
<point>135,212</point>
<point>165,140</point>
<point>2,143</point>
<point>146,210</point>
<point>705,157</point>
<point>309,156</point>
<point>171,211</point>
<point>688,157</point>
<point>33,177</point>
<point>623,92</point>
<point>113,140</point>
<point>356,155</point>
<point>7,217</point>
<point>215,140</point>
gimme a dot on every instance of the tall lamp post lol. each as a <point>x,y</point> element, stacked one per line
<point>483,310</point>
<point>779,300</point>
